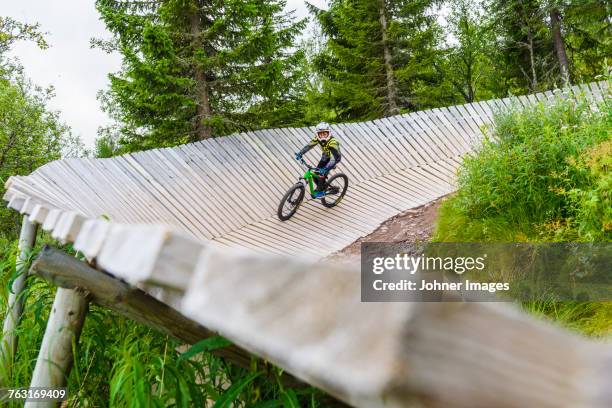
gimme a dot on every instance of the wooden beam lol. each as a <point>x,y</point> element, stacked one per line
<point>8,346</point>
<point>68,272</point>
<point>309,319</point>
<point>63,330</point>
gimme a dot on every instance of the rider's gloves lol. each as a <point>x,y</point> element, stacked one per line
<point>298,156</point>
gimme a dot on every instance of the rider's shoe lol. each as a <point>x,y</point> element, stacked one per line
<point>333,190</point>
<point>318,194</point>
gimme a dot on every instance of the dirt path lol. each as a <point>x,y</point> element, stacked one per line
<point>414,225</point>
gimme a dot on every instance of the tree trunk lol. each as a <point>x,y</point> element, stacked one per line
<point>555,19</point>
<point>470,80</point>
<point>201,130</point>
<point>391,86</point>
<point>534,75</point>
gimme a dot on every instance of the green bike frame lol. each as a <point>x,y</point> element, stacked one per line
<point>309,179</point>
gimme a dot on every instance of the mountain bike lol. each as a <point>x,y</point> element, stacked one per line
<point>335,189</point>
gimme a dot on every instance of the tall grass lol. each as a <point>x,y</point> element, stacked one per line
<point>120,363</point>
<point>543,174</point>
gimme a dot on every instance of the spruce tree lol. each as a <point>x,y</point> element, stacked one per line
<point>194,69</point>
<point>378,56</point>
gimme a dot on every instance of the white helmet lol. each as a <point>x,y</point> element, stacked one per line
<point>321,128</point>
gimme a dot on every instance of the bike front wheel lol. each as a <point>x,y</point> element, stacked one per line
<point>335,189</point>
<point>291,202</point>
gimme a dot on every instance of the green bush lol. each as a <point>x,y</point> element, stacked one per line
<point>543,174</point>
<point>535,177</point>
<point>593,202</point>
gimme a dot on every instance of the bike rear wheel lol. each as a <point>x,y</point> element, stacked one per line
<point>291,202</point>
<point>335,189</point>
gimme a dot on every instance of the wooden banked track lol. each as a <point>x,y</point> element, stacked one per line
<point>162,219</point>
<point>227,189</point>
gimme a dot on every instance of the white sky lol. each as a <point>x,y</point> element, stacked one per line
<point>75,70</point>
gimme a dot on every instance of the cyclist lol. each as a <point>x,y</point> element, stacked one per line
<point>330,155</point>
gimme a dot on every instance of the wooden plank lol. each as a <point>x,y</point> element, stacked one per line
<point>399,125</point>
<point>201,200</point>
<point>63,330</point>
<point>292,327</point>
<point>226,217</point>
<point>67,272</point>
<point>462,131</point>
<point>166,185</point>
<point>149,210</point>
<point>120,204</point>
<point>39,213</point>
<point>240,175</point>
<point>402,151</point>
<point>263,142</point>
<point>448,128</point>
<point>150,191</point>
<point>149,254</point>
<point>360,165</point>
<point>68,226</point>
<point>414,124</point>
<point>369,147</point>
<point>428,120</point>
<point>219,171</point>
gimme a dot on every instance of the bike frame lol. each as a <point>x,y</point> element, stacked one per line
<point>309,180</point>
<point>308,177</point>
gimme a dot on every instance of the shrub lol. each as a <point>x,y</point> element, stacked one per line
<point>593,202</point>
<point>541,171</point>
<point>543,174</point>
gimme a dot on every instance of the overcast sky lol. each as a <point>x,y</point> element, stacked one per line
<point>75,70</point>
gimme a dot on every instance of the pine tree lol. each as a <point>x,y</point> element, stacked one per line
<point>193,69</point>
<point>378,56</point>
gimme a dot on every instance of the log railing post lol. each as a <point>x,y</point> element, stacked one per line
<point>63,328</point>
<point>8,347</point>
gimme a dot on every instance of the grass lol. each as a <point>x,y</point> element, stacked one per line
<point>120,363</point>
<point>543,174</point>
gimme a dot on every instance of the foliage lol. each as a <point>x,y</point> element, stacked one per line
<point>467,63</point>
<point>521,177</point>
<point>588,36</point>
<point>542,175</point>
<point>12,31</point>
<point>194,69</point>
<point>523,46</point>
<point>360,80</point>
<point>30,133</point>
<point>593,201</point>
<point>30,136</point>
<point>524,53</point>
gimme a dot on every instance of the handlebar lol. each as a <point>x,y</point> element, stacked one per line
<point>307,165</point>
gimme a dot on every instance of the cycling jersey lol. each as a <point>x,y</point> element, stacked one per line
<point>330,151</point>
